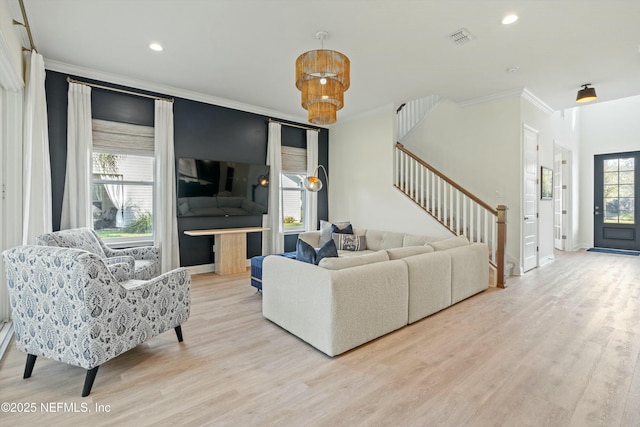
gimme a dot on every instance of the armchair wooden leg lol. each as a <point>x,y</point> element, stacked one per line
<point>88,381</point>
<point>179,333</point>
<point>28,369</point>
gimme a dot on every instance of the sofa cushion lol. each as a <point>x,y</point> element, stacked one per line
<point>247,205</point>
<point>213,211</point>
<point>453,242</point>
<point>306,253</point>
<point>325,229</point>
<point>202,202</point>
<point>183,206</point>
<point>399,253</point>
<point>418,239</point>
<point>378,240</point>
<point>233,211</point>
<point>350,242</point>
<point>353,261</point>
<point>469,270</point>
<point>229,202</point>
<point>429,284</point>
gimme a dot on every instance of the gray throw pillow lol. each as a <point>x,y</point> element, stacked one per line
<point>325,229</point>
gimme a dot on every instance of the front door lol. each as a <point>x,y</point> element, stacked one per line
<point>616,184</point>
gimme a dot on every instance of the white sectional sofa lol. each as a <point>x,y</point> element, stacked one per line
<point>347,301</point>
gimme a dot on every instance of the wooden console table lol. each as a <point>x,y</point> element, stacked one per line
<point>231,247</point>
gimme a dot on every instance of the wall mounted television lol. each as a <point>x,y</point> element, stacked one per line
<point>221,188</point>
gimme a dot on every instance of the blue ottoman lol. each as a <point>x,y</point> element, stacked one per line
<point>256,268</point>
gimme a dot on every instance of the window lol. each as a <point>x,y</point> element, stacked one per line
<point>123,182</point>
<point>293,202</point>
<point>619,194</point>
<point>294,171</point>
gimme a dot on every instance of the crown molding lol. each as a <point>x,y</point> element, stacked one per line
<point>164,90</point>
<point>491,98</point>
<point>537,102</point>
<point>522,93</point>
<point>365,114</point>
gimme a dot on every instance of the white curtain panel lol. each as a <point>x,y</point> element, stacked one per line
<point>11,109</point>
<point>165,232</point>
<point>273,240</point>
<point>36,169</point>
<point>311,208</point>
<point>76,202</point>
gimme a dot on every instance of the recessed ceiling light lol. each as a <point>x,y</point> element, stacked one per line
<point>509,19</point>
<point>155,46</point>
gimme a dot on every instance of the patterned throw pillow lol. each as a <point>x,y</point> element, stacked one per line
<point>306,253</point>
<point>350,242</point>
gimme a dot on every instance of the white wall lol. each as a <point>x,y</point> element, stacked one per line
<point>361,178</point>
<point>606,127</point>
<point>478,146</point>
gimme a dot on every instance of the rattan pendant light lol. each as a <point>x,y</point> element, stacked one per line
<point>322,76</point>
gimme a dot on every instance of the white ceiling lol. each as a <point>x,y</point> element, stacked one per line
<point>245,50</point>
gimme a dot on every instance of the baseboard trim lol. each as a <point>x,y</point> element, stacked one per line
<point>201,269</point>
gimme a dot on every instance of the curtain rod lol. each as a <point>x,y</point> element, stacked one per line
<point>294,126</point>
<point>128,92</point>
<point>26,25</point>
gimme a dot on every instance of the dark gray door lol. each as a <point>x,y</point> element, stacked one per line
<point>615,223</point>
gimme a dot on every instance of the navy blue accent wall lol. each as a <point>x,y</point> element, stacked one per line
<point>200,131</point>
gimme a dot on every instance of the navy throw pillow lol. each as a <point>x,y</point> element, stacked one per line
<point>347,230</point>
<point>306,253</point>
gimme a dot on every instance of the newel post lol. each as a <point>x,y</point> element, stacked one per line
<point>502,243</point>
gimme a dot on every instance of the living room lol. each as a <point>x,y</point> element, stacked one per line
<point>483,134</point>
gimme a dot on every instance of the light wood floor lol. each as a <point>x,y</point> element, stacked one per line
<point>559,347</point>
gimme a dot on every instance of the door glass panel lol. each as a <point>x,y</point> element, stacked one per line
<point>626,164</point>
<point>625,191</point>
<point>625,214</point>
<point>611,165</point>
<point>619,191</point>
<point>611,178</point>
<point>626,178</point>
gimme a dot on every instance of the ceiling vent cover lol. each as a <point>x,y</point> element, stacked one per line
<point>462,36</point>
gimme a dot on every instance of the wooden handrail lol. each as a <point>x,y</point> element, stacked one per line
<point>497,259</point>
<point>446,179</point>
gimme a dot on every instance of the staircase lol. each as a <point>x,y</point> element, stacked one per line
<point>454,207</point>
<point>413,112</point>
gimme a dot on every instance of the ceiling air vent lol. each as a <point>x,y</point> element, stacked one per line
<point>462,36</point>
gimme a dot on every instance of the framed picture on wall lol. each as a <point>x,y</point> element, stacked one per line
<point>546,183</point>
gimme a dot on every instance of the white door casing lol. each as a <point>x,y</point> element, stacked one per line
<point>563,211</point>
<point>558,202</point>
<point>530,199</point>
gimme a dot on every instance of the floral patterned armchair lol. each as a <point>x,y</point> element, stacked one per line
<point>69,307</point>
<point>143,261</point>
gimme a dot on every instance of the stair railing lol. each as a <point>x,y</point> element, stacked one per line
<point>413,112</point>
<point>450,204</point>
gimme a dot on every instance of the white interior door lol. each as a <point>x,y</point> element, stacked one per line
<point>530,199</point>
